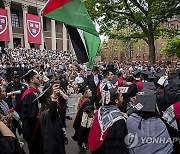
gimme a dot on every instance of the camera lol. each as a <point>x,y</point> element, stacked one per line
<point>55,80</point>
<point>14,93</point>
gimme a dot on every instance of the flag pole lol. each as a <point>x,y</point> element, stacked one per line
<point>44,6</point>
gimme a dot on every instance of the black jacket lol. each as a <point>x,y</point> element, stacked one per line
<point>90,82</point>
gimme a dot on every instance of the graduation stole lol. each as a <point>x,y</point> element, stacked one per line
<point>98,88</point>
<point>81,104</point>
<point>139,85</point>
<point>27,91</point>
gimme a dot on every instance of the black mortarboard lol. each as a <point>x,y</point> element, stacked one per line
<point>146,72</point>
<point>83,88</point>
<point>45,95</point>
<point>177,81</point>
<point>137,73</point>
<point>160,73</point>
<point>15,74</point>
<point>132,90</point>
<point>151,76</point>
<point>148,86</point>
<point>145,101</point>
<point>29,75</point>
<point>123,90</point>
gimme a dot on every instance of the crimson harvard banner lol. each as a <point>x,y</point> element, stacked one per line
<point>4,28</point>
<point>34,29</point>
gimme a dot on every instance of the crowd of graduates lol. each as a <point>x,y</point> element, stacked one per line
<point>124,107</point>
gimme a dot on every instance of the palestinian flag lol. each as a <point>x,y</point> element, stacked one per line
<point>83,34</point>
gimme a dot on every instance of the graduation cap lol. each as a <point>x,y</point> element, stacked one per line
<point>123,90</point>
<point>148,86</point>
<point>145,72</point>
<point>177,81</point>
<point>29,75</point>
<point>132,90</point>
<point>160,73</point>
<point>83,88</point>
<point>145,101</point>
<point>45,95</point>
<point>137,73</point>
<point>151,76</point>
<point>15,74</point>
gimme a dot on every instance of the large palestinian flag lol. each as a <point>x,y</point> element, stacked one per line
<point>83,34</point>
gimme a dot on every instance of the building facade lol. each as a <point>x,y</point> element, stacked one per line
<point>139,51</point>
<point>54,34</point>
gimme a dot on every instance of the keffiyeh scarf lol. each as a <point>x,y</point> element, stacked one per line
<point>107,116</point>
<point>172,115</point>
<point>106,82</point>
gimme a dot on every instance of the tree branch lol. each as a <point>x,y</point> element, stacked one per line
<point>157,23</point>
<point>139,6</point>
<point>145,39</point>
<point>119,12</point>
<point>133,17</point>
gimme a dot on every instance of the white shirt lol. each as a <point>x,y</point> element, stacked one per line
<point>96,80</point>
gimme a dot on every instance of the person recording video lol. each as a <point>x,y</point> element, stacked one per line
<point>63,97</point>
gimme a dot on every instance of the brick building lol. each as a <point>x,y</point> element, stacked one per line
<point>139,51</point>
<point>54,33</point>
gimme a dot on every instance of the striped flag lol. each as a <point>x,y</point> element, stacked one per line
<point>85,39</point>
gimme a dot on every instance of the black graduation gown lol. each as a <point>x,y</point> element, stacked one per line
<point>81,134</point>
<point>90,82</point>
<point>174,134</point>
<point>9,145</point>
<point>114,142</point>
<point>161,103</point>
<point>171,95</point>
<point>29,114</point>
<point>52,137</point>
<point>31,129</point>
